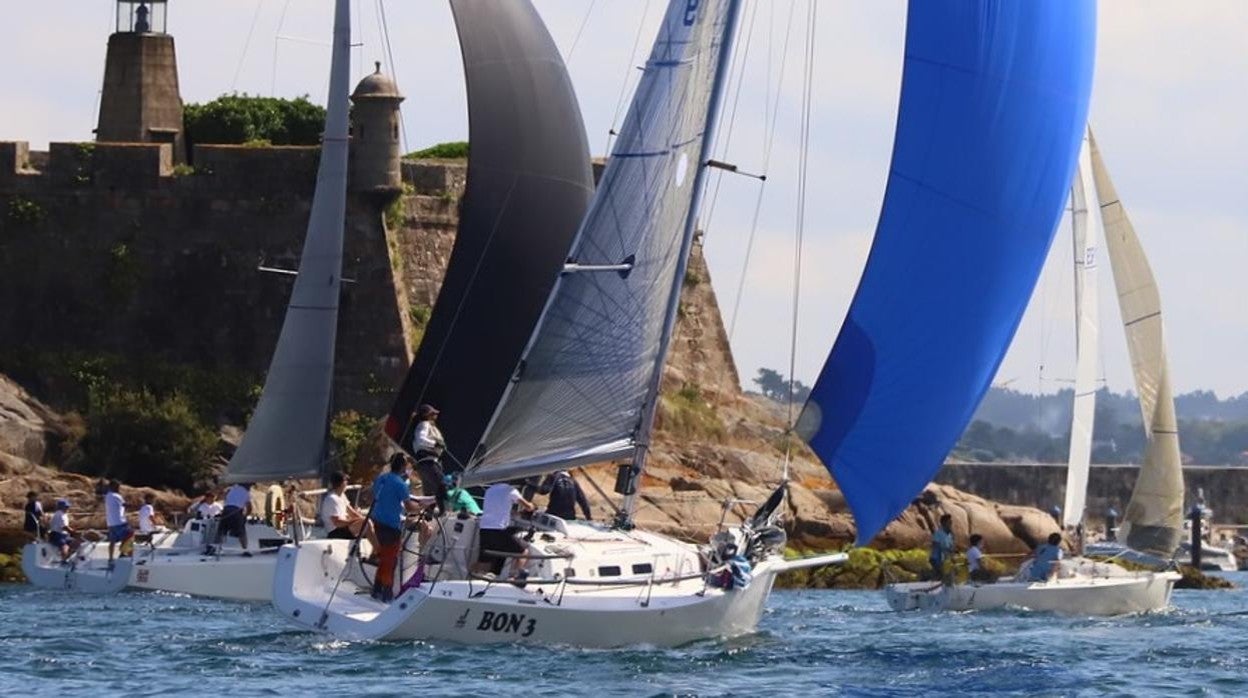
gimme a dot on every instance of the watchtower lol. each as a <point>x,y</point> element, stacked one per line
<point>375,135</point>
<point>140,102</point>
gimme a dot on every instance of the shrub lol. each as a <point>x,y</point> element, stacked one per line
<point>24,211</point>
<point>686,413</point>
<point>454,150</point>
<point>144,440</point>
<point>348,431</point>
<point>253,121</point>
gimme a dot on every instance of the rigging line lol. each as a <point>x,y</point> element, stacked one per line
<point>358,27</point>
<point>800,231</point>
<point>394,69</point>
<point>580,30</point>
<point>632,60</point>
<point>255,19</point>
<point>768,142</point>
<point>742,59</point>
<point>277,42</point>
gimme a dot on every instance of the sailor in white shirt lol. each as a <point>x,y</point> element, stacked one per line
<point>341,520</point>
<point>115,517</point>
<point>234,516</point>
<point>61,529</point>
<point>427,446</point>
<point>497,533</point>
<point>206,507</point>
<point>148,518</point>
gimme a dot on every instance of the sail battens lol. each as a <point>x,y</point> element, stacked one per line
<point>993,104</point>
<point>591,366</point>
<point>1137,320</point>
<point>529,184</point>
<point>286,435</point>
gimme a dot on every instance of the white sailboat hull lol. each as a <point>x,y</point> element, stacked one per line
<point>1080,594</point>
<point>230,576</point>
<point>661,614</point>
<point>86,572</point>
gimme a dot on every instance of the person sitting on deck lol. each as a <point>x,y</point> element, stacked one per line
<point>497,533</point>
<point>61,532</point>
<point>234,516</point>
<point>341,519</point>
<point>942,547</point>
<point>148,518</point>
<point>565,494</point>
<point>391,499</point>
<point>459,499</point>
<point>206,507</point>
<point>1047,560</point>
<point>32,521</point>
<point>975,561</point>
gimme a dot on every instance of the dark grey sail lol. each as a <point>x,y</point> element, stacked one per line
<point>286,435</point>
<point>529,185</point>
<point>586,387</point>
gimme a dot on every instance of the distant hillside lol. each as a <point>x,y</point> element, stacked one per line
<point>1050,414</point>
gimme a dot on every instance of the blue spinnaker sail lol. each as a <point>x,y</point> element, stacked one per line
<point>994,100</point>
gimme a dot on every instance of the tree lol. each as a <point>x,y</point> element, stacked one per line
<point>772,384</point>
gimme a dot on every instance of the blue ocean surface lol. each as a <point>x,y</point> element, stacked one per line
<point>810,643</point>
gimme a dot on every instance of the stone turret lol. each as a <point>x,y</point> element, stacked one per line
<point>140,102</point>
<point>375,136</point>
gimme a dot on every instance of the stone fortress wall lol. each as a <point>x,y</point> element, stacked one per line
<point>108,248</point>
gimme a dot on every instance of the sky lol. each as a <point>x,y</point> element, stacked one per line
<point>1169,108</point>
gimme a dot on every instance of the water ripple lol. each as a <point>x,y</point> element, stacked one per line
<point>809,643</point>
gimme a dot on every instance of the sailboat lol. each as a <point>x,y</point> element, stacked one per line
<point>286,436</point>
<point>586,385</point>
<point>1085,586</point>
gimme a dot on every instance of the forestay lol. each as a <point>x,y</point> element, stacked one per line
<point>529,185</point>
<point>1154,515</point>
<point>1086,230</point>
<point>286,435</point>
<point>993,104</point>
<point>589,375</point>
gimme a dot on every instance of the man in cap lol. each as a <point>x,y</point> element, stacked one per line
<point>427,446</point>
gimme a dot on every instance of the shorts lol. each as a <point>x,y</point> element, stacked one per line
<point>341,533</point>
<point>58,538</point>
<point>118,533</point>
<point>501,541</point>
<point>233,523</point>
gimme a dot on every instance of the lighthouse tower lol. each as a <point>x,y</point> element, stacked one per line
<point>140,102</point>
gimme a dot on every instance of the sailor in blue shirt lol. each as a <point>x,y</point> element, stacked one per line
<point>390,494</point>
<point>942,547</point>
<point>1047,557</point>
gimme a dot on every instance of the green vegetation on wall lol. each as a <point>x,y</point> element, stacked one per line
<point>246,120</point>
<point>454,150</point>
<point>348,431</point>
<point>687,413</point>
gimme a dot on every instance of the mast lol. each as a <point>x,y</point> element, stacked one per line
<point>649,409</point>
<point>1085,230</point>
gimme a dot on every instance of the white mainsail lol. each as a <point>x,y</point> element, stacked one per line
<point>1154,516</point>
<point>286,435</point>
<point>1087,233</point>
<point>586,386</point>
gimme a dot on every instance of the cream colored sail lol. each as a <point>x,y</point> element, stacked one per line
<point>1087,233</point>
<point>1154,516</point>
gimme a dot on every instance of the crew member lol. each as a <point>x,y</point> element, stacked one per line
<point>390,501</point>
<point>565,495</point>
<point>32,522</point>
<point>234,516</point>
<point>115,516</point>
<point>428,446</point>
<point>497,533</point>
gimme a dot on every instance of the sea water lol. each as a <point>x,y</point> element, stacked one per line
<point>810,643</point>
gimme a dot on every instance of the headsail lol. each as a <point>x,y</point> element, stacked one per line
<point>993,104</point>
<point>589,376</point>
<point>1154,516</point>
<point>529,185</point>
<point>1086,229</point>
<point>286,435</point>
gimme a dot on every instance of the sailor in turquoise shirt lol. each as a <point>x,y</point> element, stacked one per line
<point>458,499</point>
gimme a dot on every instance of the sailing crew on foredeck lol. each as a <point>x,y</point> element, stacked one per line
<point>428,446</point>
<point>565,494</point>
